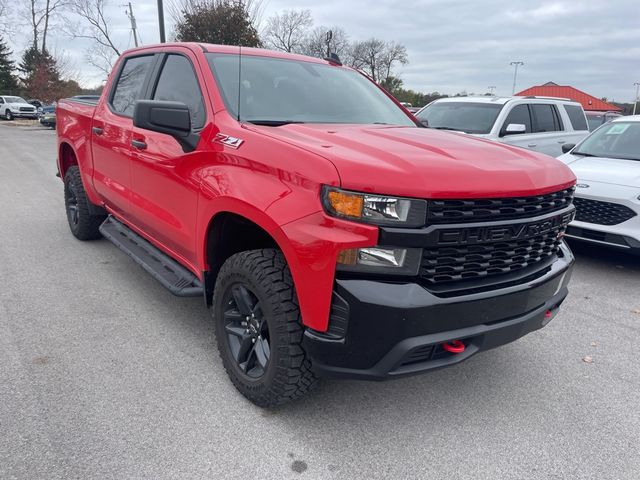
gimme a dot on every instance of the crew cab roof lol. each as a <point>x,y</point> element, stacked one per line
<point>230,49</point>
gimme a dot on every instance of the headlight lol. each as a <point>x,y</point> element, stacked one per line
<point>384,260</point>
<point>374,209</point>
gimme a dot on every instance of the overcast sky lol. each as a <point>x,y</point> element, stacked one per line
<point>456,45</point>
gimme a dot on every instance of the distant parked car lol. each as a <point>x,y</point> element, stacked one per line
<point>542,124</point>
<point>48,116</point>
<point>16,107</point>
<point>595,119</point>
<point>410,107</point>
<point>607,198</point>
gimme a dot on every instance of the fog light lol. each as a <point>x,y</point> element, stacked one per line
<point>397,261</point>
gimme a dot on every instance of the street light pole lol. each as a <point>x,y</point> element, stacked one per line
<point>161,20</point>
<point>635,100</point>
<point>515,75</point>
<point>491,89</point>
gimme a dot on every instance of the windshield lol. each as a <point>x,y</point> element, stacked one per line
<point>613,140</point>
<point>276,91</point>
<point>14,100</point>
<point>461,116</point>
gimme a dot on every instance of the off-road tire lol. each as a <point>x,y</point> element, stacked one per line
<point>288,374</point>
<point>83,225</point>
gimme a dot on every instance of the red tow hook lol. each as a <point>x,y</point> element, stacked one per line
<point>455,346</point>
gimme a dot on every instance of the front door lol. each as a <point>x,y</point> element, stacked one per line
<point>164,179</point>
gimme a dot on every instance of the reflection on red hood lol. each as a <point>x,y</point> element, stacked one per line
<point>420,162</point>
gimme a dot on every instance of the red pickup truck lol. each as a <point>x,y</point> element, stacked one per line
<point>329,232</point>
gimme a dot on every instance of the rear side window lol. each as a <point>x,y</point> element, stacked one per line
<point>128,89</point>
<point>178,83</point>
<point>518,114</point>
<point>547,118</point>
<point>576,115</point>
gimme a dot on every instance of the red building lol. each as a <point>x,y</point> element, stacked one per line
<point>588,102</point>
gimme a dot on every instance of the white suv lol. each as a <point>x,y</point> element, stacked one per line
<point>12,107</point>
<point>543,124</point>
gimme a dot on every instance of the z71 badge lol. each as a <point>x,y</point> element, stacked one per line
<point>232,142</point>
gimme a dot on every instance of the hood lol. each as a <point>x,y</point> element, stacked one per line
<point>615,171</point>
<point>21,104</point>
<point>421,162</point>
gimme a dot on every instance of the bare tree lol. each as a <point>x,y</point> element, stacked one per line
<point>378,58</point>
<point>95,26</point>
<point>287,31</point>
<point>39,14</point>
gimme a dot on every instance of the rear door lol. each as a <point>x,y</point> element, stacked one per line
<point>165,198</point>
<point>549,129</point>
<point>111,132</point>
<point>580,128</point>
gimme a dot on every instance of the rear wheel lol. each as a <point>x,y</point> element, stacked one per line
<point>83,225</point>
<point>259,330</point>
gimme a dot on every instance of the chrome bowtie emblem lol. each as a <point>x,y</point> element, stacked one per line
<point>582,185</point>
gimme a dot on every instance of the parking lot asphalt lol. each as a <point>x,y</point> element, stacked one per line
<point>104,374</point>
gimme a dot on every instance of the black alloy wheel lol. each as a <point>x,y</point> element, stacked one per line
<point>247,331</point>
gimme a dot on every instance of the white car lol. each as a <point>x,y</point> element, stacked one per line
<point>16,107</point>
<point>542,124</point>
<point>607,198</point>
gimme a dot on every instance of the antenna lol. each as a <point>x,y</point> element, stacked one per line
<point>239,77</point>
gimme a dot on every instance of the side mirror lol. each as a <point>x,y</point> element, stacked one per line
<point>172,118</point>
<point>567,147</point>
<point>424,123</point>
<point>514,129</point>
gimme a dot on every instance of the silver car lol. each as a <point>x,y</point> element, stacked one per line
<point>607,164</point>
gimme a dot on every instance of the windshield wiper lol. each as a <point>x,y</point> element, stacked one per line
<point>272,123</point>
<point>585,154</point>
<point>448,128</point>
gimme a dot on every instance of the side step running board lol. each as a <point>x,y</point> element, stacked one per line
<point>173,276</point>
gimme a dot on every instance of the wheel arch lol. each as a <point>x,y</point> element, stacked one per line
<point>66,158</point>
<point>229,232</point>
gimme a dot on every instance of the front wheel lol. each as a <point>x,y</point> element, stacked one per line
<point>8,115</point>
<point>259,330</point>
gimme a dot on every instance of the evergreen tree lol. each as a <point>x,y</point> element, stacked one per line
<point>8,80</point>
<point>40,75</point>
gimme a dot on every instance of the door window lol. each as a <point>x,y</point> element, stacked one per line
<point>518,114</point>
<point>576,115</point>
<point>128,89</point>
<point>547,118</point>
<point>178,83</point>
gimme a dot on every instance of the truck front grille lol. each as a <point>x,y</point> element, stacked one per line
<point>489,209</point>
<point>451,264</point>
<point>601,213</point>
<point>27,109</point>
<point>469,252</point>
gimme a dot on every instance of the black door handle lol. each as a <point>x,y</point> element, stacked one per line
<point>97,130</point>
<point>138,144</point>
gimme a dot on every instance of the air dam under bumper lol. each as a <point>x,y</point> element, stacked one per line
<point>394,329</point>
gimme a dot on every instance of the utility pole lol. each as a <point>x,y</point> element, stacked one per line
<point>133,23</point>
<point>491,89</point>
<point>515,75</point>
<point>635,100</point>
<point>161,20</point>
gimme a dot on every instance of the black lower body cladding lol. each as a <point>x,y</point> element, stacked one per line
<point>395,329</point>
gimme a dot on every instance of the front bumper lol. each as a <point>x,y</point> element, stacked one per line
<point>32,115</point>
<point>384,330</point>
